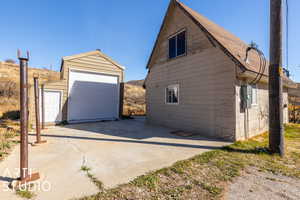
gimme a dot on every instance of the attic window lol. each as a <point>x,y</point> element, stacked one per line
<point>177,45</point>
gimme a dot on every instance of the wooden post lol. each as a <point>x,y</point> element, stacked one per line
<point>121,103</point>
<point>276,136</point>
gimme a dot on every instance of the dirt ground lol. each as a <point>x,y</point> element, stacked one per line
<point>255,184</point>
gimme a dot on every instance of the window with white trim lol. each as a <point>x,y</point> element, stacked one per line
<point>172,94</point>
<point>254,95</point>
<point>177,45</point>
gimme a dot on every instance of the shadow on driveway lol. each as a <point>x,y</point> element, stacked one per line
<point>129,141</point>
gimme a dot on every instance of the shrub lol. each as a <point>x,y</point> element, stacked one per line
<point>13,115</point>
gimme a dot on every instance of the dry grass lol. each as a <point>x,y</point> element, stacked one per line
<point>134,100</point>
<point>206,176</point>
<point>8,132</point>
<point>134,96</point>
<point>9,73</point>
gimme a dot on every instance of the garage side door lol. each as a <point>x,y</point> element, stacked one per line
<point>92,96</point>
<point>52,106</point>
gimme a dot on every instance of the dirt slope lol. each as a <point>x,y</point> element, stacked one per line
<point>134,100</point>
<point>10,84</point>
<point>9,89</point>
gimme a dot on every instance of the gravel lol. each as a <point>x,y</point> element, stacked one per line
<point>257,185</point>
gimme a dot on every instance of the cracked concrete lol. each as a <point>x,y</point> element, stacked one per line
<point>116,152</point>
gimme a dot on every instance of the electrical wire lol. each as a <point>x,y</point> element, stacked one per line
<point>262,63</point>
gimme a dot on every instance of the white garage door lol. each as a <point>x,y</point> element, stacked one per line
<point>52,106</point>
<point>92,96</point>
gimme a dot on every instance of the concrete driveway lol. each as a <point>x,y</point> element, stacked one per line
<point>116,151</point>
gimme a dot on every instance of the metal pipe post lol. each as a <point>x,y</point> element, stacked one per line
<point>37,109</point>
<point>43,107</point>
<point>24,117</point>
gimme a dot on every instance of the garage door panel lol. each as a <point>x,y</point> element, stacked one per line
<point>91,98</point>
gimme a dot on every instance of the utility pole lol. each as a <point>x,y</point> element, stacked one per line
<point>276,136</point>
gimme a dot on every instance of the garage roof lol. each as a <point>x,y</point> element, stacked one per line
<point>96,52</point>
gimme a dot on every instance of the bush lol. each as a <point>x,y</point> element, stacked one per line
<point>8,89</point>
<point>13,115</point>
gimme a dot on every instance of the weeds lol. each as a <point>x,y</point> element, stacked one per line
<point>25,193</point>
<point>205,176</point>
<point>92,177</point>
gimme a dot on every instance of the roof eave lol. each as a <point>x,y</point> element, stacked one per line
<point>265,79</point>
<point>159,33</point>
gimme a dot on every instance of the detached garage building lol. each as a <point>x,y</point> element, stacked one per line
<point>88,90</point>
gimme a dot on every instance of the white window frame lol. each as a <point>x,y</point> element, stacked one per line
<point>166,99</point>
<point>175,35</point>
<point>254,89</point>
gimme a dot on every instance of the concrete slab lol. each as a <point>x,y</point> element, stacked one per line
<point>116,151</point>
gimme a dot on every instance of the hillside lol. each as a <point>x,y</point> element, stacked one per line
<point>134,100</point>
<point>10,84</point>
<point>134,96</point>
<point>136,82</point>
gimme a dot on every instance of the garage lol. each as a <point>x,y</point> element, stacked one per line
<point>93,96</point>
<point>89,89</point>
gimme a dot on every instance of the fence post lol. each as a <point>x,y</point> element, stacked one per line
<point>25,177</point>
<point>37,111</point>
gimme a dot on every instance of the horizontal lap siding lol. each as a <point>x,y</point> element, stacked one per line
<point>256,120</point>
<point>206,94</point>
<point>206,83</point>
<point>90,63</point>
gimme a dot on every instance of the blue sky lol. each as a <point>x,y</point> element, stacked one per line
<point>124,30</point>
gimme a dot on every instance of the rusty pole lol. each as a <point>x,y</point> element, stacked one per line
<point>24,116</point>
<point>25,177</point>
<point>43,109</point>
<point>37,109</point>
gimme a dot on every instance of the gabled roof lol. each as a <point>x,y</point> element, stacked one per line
<point>231,45</point>
<point>234,45</point>
<point>90,53</point>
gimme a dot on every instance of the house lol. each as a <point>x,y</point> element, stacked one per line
<point>88,90</point>
<point>199,79</point>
